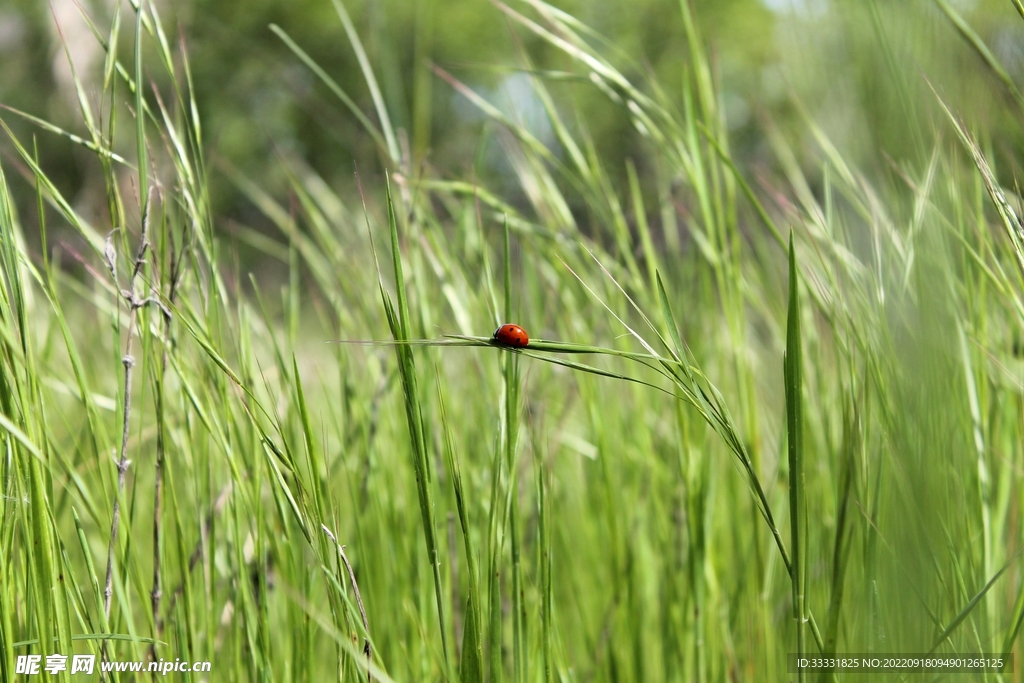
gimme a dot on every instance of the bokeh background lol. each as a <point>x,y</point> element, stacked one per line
<point>858,70</point>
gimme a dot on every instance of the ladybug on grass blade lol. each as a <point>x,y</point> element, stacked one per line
<point>511,335</point>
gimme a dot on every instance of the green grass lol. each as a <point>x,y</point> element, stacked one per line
<point>710,455</point>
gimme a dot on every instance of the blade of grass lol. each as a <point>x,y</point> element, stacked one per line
<point>793,361</point>
<point>400,326</point>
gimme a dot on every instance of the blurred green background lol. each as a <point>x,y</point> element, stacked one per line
<point>858,68</point>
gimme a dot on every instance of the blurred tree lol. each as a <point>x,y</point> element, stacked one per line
<point>856,67</point>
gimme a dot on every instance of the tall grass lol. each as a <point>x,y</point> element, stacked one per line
<point>191,472</point>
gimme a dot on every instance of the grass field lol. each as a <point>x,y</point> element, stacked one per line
<point>760,413</point>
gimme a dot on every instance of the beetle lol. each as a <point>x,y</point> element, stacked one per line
<point>513,335</point>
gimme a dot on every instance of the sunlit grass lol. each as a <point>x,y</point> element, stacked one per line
<point>647,491</point>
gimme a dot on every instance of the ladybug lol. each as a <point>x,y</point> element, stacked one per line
<point>511,335</point>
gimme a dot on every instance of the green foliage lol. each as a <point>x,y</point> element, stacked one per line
<point>608,503</point>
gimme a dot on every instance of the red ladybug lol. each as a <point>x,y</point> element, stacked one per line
<point>511,335</point>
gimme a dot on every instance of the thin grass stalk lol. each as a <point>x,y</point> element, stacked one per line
<point>496,523</point>
<point>842,542</point>
<point>510,431</point>
<point>134,302</point>
<point>471,665</point>
<point>140,118</point>
<point>794,431</point>
<point>694,473</point>
<point>400,330</point>
<point>172,276</point>
<point>547,634</point>
<point>131,299</point>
